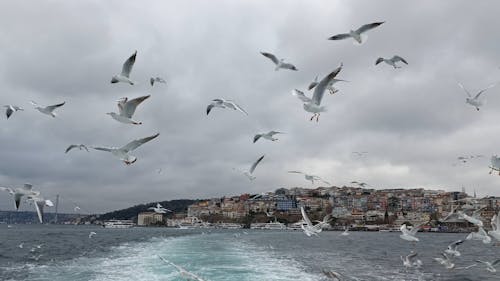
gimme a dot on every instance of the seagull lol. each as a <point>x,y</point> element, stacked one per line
<point>152,80</point>
<point>330,87</point>
<point>409,235</point>
<point>26,189</point>
<point>356,34</point>
<point>452,249</point>
<point>249,173</point>
<point>489,265</point>
<point>49,110</point>
<point>479,235</point>
<point>392,61</point>
<point>21,245</point>
<point>279,63</point>
<point>495,164</point>
<point>159,209</point>
<point>309,229</point>
<point>345,232</point>
<point>123,152</point>
<point>360,153</point>
<point>222,103</point>
<point>11,109</point>
<point>127,67</point>
<point>473,220</point>
<point>335,276</point>
<point>184,273</point>
<point>91,234</point>
<point>475,101</point>
<point>267,136</point>
<point>360,184</point>
<point>446,261</point>
<point>77,208</point>
<point>313,106</point>
<point>411,260</point>
<point>309,177</point>
<point>79,146</point>
<point>126,110</point>
<point>325,222</point>
<point>495,227</point>
<point>40,202</point>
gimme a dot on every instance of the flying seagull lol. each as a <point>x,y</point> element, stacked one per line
<point>267,136</point>
<point>453,248</point>
<point>79,146</point>
<point>314,106</point>
<point>127,109</point>
<point>123,152</point>
<point>184,273</point>
<point>411,260</point>
<point>159,209</point>
<point>495,164</point>
<point>479,235</point>
<point>11,109</point>
<point>279,63</point>
<point>222,103</point>
<point>490,265</point>
<point>40,202</point>
<point>92,233</point>
<point>152,80</point>
<point>249,173</point>
<point>409,235</point>
<point>392,61</point>
<point>445,261</point>
<point>356,34</point>
<point>49,110</point>
<point>126,69</point>
<point>309,177</point>
<point>475,101</point>
<point>18,193</point>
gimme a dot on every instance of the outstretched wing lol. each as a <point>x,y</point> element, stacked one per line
<point>39,204</point>
<point>53,107</point>
<point>305,217</point>
<point>313,84</point>
<point>127,66</point>
<point>108,149</point>
<point>480,92</point>
<point>136,143</point>
<point>70,148</point>
<point>296,172</point>
<point>271,57</point>
<point>463,88</point>
<point>416,228</point>
<point>379,60</point>
<point>257,137</point>
<point>129,107</point>
<point>398,58</point>
<point>301,95</point>
<point>289,66</point>
<point>340,36</point>
<point>367,27</point>
<point>252,168</point>
<point>233,105</point>
<point>319,90</point>
<point>9,111</point>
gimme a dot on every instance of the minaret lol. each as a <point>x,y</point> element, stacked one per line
<point>57,205</point>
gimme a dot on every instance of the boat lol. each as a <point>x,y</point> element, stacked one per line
<point>118,224</point>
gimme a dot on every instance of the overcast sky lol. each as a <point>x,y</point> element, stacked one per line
<point>413,121</point>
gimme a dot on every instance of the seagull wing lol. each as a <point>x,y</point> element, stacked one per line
<point>136,143</point>
<point>271,57</point>
<point>483,90</point>
<point>71,147</point>
<point>340,36</point>
<point>233,105</point>
<point>379,60</point>
<point>257,137</point>
<point>398,58</point>
<point>9,111</point>
<point>252,168</point>
<point>130,106</point>
<point>8,189</point>
<point>39,204</point>
<point>415,228</point>
<point>462,86</point>
<point>152,81</point>
<point>301,95</point>
<point>53,107</point>
<point>296,172</point>
<point>289,66</point>
<point>454,245</point>
<point>127,66</point>
<point>108,149</point>
<point>209,107</point>
<point>495,262</point>
<point>312,85</point>
<point>367,27</point>
<point>319,90</point>
<point>305,217</point>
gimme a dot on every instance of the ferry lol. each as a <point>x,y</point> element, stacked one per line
<point>269,225</point>
<point>118,224</point>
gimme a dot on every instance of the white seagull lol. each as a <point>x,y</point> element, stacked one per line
<point>126,69</point>
<point>309,177</point>
<point>314,106</point>
<point>471,219</point>
<point>40,202</point>
<point>356,34</point>
<point>48,110</point>
<point>76,209</point>
<point>309,229</point>
<point>222,103</point>
<point>249,173</point>
<point>495,164</point>
<point>411,260</point>
<point>279,63</point>
<point>475,101</point>
<point>453,248</point>
<point>91,234</point>
<point>267,136</point>
<point>159,209</point>
<point>409,235</point>
<point>152,80</point>
<point>490,265</point>
<point>127,109</point>
<point>11,109</point>
<point>184,273</point>
<point>345,232</point>
<point>495,227</point>
<point>446,261</point>
<point>79,146</point>
<point>479,235</point>
<point>392,61</point>
<point>26,189</point>
<point>123,152</point>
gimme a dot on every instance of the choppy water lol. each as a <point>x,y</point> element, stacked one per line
<point>131,254</point>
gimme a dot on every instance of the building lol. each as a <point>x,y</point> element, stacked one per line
<point>149,218</point>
